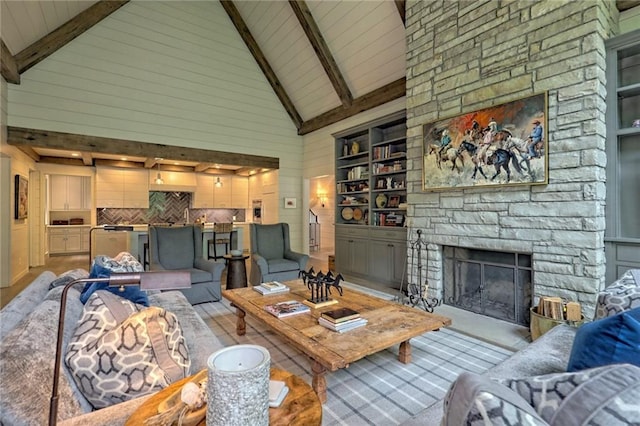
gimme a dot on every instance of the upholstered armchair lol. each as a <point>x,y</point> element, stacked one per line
<point>271,255</point>
<point>180,248</point>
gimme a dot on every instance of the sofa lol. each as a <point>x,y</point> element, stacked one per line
<point>28,326</point>
<point>550,354</point>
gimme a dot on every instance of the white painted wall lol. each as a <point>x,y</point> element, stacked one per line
<point>174,73</point>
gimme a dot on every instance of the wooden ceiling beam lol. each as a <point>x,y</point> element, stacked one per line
<point>202,167</point>
<point>18,136</point>
<point>255,50</point>
<point>30,153</point>
<point>119,163</point>
<point>9,66</point>
<point>41,49</point>
<point>61,160</point>
<point>308,24</point>
<point>401,5</point>
<point>384,94</point>
<point>149,163</point>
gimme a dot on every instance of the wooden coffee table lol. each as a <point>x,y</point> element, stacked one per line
<point>300,407</point>
<point>389,324</point>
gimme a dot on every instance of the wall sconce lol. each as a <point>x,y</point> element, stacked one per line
<point>159,180</point>
<point>322,197</point>
<point>218,182</point>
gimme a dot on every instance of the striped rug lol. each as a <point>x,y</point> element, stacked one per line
<point>377,390</point>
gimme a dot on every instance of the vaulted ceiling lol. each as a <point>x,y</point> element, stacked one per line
<point>325,60</point>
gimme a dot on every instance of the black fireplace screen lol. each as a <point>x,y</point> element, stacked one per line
<point>492,283</point>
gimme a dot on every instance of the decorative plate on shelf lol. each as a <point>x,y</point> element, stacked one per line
<point>381,201</point>
<point>357,214</point>
<point>347,213</point>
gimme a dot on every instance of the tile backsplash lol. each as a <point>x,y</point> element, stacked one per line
<point>167,207</point>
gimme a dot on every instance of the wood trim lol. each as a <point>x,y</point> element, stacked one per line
<point>9,67</point>
<point>87,159</point>
<point>41,49</point>
<point>308,24</point>
<point>384,94</point>
<point>22,137</point>
<point>255,50</point>
<point>401,5</point>
<point>27,150</point>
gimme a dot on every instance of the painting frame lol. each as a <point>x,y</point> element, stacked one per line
<point>501,152</point>
<point>21,209</point>
<point>290,203</point>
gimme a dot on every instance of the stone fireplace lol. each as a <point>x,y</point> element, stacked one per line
<point>463,56</point>
<point>491,283</point>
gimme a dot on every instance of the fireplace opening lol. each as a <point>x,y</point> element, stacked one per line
<point>492,283</point>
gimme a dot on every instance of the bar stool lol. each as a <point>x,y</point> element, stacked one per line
<point>221,235</point>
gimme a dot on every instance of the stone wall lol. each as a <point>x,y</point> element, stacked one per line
<point>467,55</point>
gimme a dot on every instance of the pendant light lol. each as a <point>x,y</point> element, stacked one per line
<point>218,182</point>
<point>159,180</point>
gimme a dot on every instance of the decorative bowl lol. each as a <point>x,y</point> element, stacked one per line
<point>235,253</point>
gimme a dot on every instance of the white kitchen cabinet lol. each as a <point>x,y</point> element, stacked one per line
<point>240,192</point>
<point>122,188</point>
<point>203,195</point>
<point>69,192</point>
<point>68,240</point>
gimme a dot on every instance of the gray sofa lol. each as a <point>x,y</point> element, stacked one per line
<point>28,326</point>
<point>548,354</point>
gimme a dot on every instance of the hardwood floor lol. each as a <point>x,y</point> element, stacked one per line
<point>55,264</point>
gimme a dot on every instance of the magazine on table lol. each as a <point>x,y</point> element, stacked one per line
<point>271,287</point>
<point>287,308</point>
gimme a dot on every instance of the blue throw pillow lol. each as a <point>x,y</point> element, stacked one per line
<point>611,340</point>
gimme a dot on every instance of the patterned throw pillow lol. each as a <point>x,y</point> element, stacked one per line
<point>477,400</point>
<point>620,296</point>
<point>120,351</point>
<point>600,396</point>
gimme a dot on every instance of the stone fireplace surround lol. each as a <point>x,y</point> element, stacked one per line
<point>463,56</point>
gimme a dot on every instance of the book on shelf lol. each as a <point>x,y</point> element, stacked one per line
<point>272,287</point>
<point>340,315</point>
<point>287,308</point>
<point>343,326</point>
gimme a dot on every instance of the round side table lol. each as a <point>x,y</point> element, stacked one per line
<point>236,271</point>
<point>301,406</point>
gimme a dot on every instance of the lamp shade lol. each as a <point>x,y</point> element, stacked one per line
<point>238,386</point>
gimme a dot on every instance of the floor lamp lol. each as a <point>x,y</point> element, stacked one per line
<point>157,280</point>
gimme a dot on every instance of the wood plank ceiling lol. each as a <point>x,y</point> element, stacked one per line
<point>325,60</point>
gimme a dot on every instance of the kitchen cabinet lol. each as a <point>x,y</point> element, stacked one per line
<point>64,240</point>
<point>239,192</point>
<point>387,256</point>
<point>69,192</point>
<point>122,188</point>
<point>203,195</point>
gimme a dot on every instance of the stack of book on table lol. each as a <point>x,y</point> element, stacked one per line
<point>341,320</point>
<point>272,287</point>
<point>288,308</point>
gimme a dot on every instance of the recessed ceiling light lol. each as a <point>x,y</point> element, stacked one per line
<point>176,163</point>
<point>123,158</point>
<point>217,166</point>
<point>75,154</point>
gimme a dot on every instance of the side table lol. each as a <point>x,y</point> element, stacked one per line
<point>236,271</point>
<point>301,406</point>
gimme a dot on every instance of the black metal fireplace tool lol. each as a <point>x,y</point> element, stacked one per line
<point>417,285</point>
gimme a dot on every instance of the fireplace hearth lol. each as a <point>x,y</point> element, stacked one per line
<point>492,283</point>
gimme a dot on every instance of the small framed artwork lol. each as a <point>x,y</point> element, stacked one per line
<point>394,201</point>
<point>22,197</point>
<point>289,203</point>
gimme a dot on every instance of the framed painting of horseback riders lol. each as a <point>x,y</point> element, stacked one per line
<point>500,145</point>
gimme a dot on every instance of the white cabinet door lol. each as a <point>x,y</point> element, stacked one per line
<point>109,188</point>
<point>240,192</point>
<point>58,192</point>
<point>203,196</point>
<point>57,243</point>
<point>75,193</point>
<point>85,244</point>
<point>74,242</point>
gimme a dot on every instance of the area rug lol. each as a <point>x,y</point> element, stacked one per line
<point>377,390</point>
